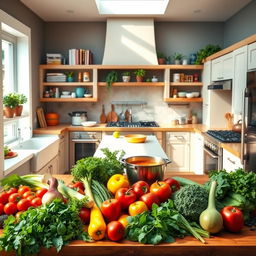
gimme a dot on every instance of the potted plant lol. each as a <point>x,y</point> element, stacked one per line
<point>70,76</point>
<point>10,102</point>
<point>140,73</point>
<point>168,60</point>
<point>205,52</point>
<point>177,58</point>
<point>126,76</point>
<point>22,100</point>
<point>161,58</point>
<point>111,77</point>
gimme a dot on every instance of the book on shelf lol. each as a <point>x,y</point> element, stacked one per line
<point>80,57</point>
<point>53,58</point>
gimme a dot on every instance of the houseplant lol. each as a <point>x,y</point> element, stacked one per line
<point>70,76</point>
<point>22,100</point>
<point>111,77</point>
<point>140,73</point>
<point>205,52</point>
<point>161,58</point>
<point>10,102</point>
<point>126,76</point>
<point>177,58</point>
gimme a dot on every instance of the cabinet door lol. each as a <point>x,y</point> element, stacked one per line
<point>54,165</point>
<point>206,92</point>
<point>63,154</point>
<point>239,81</point>
<point>44,170</point>
<point>196,153</point>
<point>252,56</point>
<point>217,73</point>
<point>227,66</point>
<point>230,161</point>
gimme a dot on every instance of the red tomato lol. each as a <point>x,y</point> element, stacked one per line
<point>151,177</point>
<point>28,193</point>
<point>23,204</point>
<point>111,209</point>
<point>30,198</point>
<point>37,201</point>
<point>23,189</point>
<point>1,208</point>
<point>233,218</point>
<point>149,199</point>
<point>140,188</point>
<point>162,190</point>
<point>115,231</point>
<point>10,153</point>
<point>12,191</point>
<point>10,208</point>
<point>4,197</point>
<point>15,198</point>
<point>41,192</point>
<point>84,215</point>
<point>125,196</point>
<point>174,184</point>
<point>78,186</point>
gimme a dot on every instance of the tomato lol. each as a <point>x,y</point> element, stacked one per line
<point>10,153</point>
<point>23,189</point>
<point>149,199</point>
<point>28,193</point>
<point>140,188</point>
<point>10,208</point>
<point>37,201</point>
<point>233,218</point>
<point>111,209</point>
<point>115,231</point>
<point>151,176</point>
<point>12,191</point>
<point>174,184</point>
<point>162,190</point>
<point>1,208</point>
<point>23,204</point>
<point>123,219</point>
<point>116,182</point>
<point>41,192</point>
<point>17,215</point>
<point>79,185</point>
<point>84,215</point>
<point>4,197</point>
<point>15,198</point>
<point>125,196</point>
<point>137,208</point>
<point>30,198</point>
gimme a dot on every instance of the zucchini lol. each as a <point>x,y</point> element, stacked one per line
<point>185,181</point>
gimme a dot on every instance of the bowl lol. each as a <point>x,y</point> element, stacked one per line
<point>190,95</point>
<point>196,94</point>
<point>135,138</point>
<point>181,94</point>
<point>88,123</point>
<point>65,92</point>
<point>87,95</point>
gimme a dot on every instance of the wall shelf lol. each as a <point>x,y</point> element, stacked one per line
<point>68,84</point>
<point>145,84</point>
<point>186,84</point>
<point>183,100</point>
<point>68,100</point>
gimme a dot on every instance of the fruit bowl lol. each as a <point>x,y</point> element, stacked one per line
<point>135,138</point>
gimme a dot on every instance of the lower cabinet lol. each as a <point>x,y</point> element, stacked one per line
<point>63,154</point>
<point>230,161</point>
<point>196,153</point>
<point>52,167</point>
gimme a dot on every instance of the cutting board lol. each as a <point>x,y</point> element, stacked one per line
<point>112,115</point>
<point>103,118</point>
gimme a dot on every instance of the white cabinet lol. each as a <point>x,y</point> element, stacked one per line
<point>230,161</point>
<point>222,67</point>
<point>177,150</point>
<point>239,81</point>
<point>206,93</point>
<point>196,153</point>
<point>63,154</point>
<point>252,56</point>
<point>51,167</point>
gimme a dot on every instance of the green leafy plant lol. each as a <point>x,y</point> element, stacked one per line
<point>140,72</point>
<point>69,74</point>
<point>126,73</point>
<point>160,55</point>
<point>168,59</point>
<point>177,56</point>
<point>205,52</point>
<point>111,77</point>
<point>22,99</point>
<point>11,100</point>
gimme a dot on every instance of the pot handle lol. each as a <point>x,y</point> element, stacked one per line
<point>167,161</point>
<point>122,160</point>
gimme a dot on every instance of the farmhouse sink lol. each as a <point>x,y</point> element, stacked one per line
<point>44,149</point>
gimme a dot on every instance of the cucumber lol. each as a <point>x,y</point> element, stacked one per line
<point>185,182</point>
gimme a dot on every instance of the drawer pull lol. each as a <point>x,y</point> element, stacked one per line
<point>179,137</point>
<point>231,161</point>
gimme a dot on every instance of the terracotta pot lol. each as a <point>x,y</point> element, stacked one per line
<point>8,112</point>
<point>161,61</point>
<point>139,78</point>
<point>18,110</point>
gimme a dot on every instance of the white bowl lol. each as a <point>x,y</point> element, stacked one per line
<point>87,95</point>
<point>189,95</point>
<point>88,123</point>
<point>196,94</point>
<point>65,92</point>
<point>181,94</point>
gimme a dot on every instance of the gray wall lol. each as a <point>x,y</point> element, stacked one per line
<point>19,11</point>
<point>241,25</point>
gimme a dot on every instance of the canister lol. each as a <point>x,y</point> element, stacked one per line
<point>86,77</point>
<point>176,77</point>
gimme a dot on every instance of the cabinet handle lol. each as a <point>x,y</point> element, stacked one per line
<point>50,168</point>
<point>231,161</point>
<point>221,77</point>
<point>179,137</point>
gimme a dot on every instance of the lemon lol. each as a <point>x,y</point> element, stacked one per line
<point>116,134</point>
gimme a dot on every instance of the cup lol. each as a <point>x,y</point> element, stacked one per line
<point>80,91</point>
<point>176,77</point>
<point>73,95</point>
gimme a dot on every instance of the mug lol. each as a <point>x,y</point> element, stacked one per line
<point>80,91</point>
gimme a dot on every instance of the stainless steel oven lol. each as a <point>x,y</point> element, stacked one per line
<point>82,144</point>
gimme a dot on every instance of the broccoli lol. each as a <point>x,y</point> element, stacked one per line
<point>190,201</point>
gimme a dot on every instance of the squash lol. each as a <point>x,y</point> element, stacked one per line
<point>52,118</point>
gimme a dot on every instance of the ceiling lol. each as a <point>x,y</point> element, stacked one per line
<point>177,10</point>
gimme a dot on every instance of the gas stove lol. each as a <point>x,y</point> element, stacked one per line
<point>133,124</point>
<point>225,136</point>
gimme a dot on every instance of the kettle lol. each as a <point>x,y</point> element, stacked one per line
<point>237,127</point>
<point>78,117</point>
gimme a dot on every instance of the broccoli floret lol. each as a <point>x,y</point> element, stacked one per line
<point>190,201</point>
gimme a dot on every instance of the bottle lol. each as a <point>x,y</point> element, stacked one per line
<point>154,79</point>
<point>57,93</point>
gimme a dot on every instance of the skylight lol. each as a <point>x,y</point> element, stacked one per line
<point>132,7</point>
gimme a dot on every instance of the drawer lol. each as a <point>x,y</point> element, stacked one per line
<point>178,137</point>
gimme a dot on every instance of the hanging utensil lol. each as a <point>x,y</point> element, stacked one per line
<point>103,118</point>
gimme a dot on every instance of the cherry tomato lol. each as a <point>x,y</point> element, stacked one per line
<point>84,215</point>
<point>125,196</point>
<point>123,219</point>
<point>162,190</point>
<point>41,192</point>
<point>28,193</point>
<point>174,184</point>
<point>140,188</point>
<point>15,198</point>
<point>149,199</point>
<point>115,231</point>
<point>30,198</point>
<point>78,186</point>
<point>111,209</point>
<point>23,205</point>
<point>23,189</point>
<point>37,201</point>
<point>4,197</point>
<point>12,191</point>
<point>1,208</point>
<point>137,208</point>
<point>17,215</point>
<point>10,208</point>
<point>10,153</point>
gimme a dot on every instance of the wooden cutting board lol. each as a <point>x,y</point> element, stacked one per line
<point>112,115</point>
<point>103,118</point>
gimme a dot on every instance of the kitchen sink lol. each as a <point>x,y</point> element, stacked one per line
<point>44,149</point>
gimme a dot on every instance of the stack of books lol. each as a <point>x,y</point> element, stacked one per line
<point>80,57</point>
<point>53,58</point>
<point>56,77</point>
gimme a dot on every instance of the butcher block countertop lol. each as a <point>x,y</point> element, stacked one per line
<point>243,243</point>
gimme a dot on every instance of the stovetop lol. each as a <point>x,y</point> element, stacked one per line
<point>133,124</point>
<point>225,136</point>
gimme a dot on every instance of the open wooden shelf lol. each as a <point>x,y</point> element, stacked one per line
<point>183,100</point>
<point>186,84</point>
<point>68,100</point>
<point>133,84</point>
<point>68,84</point>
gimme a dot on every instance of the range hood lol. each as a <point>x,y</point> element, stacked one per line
<point>221,85</point>
<point>130,41</point>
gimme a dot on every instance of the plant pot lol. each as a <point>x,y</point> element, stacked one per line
<point>8,112</point>
<point>70,79</point>
<point>139,78</point>
<point>18,110</point>
<point>177,62</point>
<point>161,61</point>
<point>126,79</point>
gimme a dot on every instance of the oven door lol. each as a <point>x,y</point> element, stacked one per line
<point>211,161</point>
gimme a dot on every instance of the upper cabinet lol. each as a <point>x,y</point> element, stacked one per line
<point>222,67</point>
<point>252,56</point>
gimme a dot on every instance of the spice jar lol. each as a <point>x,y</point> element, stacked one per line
<point>196,78</point>
<point>86,77</point>
<point>79,77</point>
<point>176,77</point>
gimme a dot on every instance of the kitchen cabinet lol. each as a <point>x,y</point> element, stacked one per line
<point>178,151</point>
<point>51,167</point>
<point>252,56</point>
<point>239,80</point>
<point>222,67</point>
<point>63,154</point>
<point>196,153</point>
<point>230,161</point>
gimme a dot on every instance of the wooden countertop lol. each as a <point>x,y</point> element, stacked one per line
<point>224,244</point>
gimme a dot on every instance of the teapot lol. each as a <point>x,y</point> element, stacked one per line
<point>237,127</point>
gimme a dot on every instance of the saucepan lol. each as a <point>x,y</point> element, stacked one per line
<point>147,168</point>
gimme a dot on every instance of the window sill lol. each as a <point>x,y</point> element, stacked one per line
<point>8,120</point>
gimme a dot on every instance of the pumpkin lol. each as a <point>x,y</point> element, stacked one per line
<point>52,119</point>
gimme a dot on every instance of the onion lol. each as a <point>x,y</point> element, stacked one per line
<point>52,192</point>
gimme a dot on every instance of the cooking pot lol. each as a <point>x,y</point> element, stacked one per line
<point>147,168</point>
<point>237,127</point>
<point>78,117</point>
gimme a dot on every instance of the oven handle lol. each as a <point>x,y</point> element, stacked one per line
<point>86,140</point>
<point>210,153</point>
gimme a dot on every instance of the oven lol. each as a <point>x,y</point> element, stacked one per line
<point>82,144</point>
